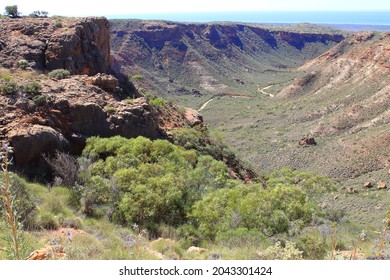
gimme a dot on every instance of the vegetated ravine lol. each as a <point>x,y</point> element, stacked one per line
<point>130,160</point>
<point>300,80</point>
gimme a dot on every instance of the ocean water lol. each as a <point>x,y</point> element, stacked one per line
<point>361,18</point>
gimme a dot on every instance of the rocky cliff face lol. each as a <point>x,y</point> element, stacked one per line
<point>81,46</point>
<point>209,57</point>
<point>40,115</point>
<point>71,110</point>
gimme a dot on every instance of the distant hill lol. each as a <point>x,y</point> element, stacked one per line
<point>361,27</point>
<point>211,58</point>
<point>324,85</point>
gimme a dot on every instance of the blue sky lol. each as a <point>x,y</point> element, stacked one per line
<point>118,7</point>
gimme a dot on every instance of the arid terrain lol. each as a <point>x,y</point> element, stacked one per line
<point>160,140</point>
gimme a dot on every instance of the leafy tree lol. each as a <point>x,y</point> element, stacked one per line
<point>12,11</point>
<point>270,211</point>
<point>148,182</point>
<point>39,14</point>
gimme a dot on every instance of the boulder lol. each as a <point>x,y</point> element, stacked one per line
<point>48,253</point>
<point>196,250</point>
<point>193,117</point>
<point>31,142</point>
<point>352,191</point>
<point>307,141</point>
<point>106,82</point>
<point>368,185</point>
<point>381,185</point>
<point>88,119</point>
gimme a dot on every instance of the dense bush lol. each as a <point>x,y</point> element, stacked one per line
<point>190,138</point>
<point>312,184</point>
<point>32,88</point>
<point>250,206</point>
<point>22,64</point>
<point>59,74</point>
<point>313,247</point>
<point>9,88</point>
<point>40,100</point>
<point>288,251</point>
<point>147,182</point>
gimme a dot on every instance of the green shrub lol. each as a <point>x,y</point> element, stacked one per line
<point>32,88</point>
<point>48,221</point>
<point>9,88</point>
<point>110,109</point>
<point>59,74</point>
<point>6,77</point>
<point>58,24</point>
<point>334,215</point>
<point>267,210</point>
<point>189,235</point>
<point>137,77</point>
<point>312,184</point>
<point>22,64</point>
<point>189,138</point>
<point>40,100</point>
<point>278,252</point>
<point>313,247</point>
<point>147,182</point>
<point>157,102</point>
<point>12,11</point>
<point>74,222</point>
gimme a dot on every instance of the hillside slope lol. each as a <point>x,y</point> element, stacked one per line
<point>336,90</point>
<point>210,58</point>
<point>42,113</point>
<point>350,86</point>
<point>341,98</point>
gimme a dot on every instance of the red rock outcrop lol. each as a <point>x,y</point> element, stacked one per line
<point>81,46</point>
<point>73,110</point>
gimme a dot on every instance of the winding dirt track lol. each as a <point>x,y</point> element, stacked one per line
<point>205,104</point>
<point>261,90</point>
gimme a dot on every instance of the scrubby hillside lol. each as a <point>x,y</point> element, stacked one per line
<point>57,89</point>
<point>133,176</point>
<point>187,59</point>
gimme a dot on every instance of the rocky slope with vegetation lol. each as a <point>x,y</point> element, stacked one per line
<point>210,58</point>
<point>138,177</point>
<point>43,110</point>
<point>81,46</point>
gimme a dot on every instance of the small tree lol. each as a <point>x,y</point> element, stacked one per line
<point>12,11</point>
<point>39,14</point>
